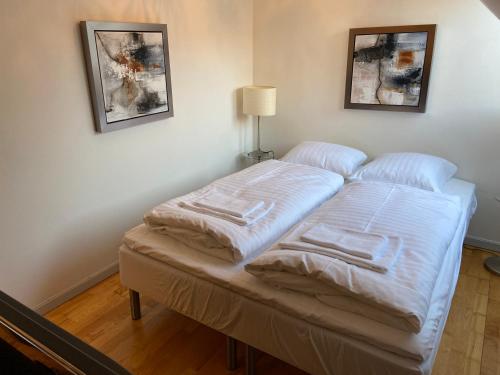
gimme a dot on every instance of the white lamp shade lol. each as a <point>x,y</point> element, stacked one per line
<point>259,100</point>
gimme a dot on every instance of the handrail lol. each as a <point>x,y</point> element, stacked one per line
<point>72,353</point>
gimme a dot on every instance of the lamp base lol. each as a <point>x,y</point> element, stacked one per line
<point>492,264</point>
<point>260,155</point>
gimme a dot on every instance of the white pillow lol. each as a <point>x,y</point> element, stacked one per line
<point>336,158</point>
<point>419,170</point>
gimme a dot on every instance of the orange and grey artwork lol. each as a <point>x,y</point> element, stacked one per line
<point>132,70</point>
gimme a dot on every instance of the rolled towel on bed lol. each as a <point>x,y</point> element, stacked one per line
<point>227,204</point>
<point>359,244</point>
<point>250,219</point>
<point>380,263</point>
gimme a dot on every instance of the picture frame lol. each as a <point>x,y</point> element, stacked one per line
<point>128,69</point>
<point>388,68</point>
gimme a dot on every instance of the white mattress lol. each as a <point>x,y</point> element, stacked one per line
<point>300,329</point>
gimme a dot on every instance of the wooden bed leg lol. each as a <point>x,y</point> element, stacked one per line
<point>231,354</point>
<point>250,360</point>
<point>135,304</point>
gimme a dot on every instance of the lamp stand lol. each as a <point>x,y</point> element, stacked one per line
<point>258,134</point>
<point>258,154</point>
<point>492,264</point>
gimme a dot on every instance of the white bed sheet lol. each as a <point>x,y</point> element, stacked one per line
<point>230,300</point>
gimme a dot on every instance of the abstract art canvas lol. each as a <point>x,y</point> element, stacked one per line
<point>129,73</point>
<point>388,68</point>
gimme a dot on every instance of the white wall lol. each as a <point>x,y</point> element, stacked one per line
<point>301,47</point>
<point>68,194</point>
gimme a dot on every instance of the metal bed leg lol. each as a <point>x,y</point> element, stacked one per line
<point>135,304</point>
<point>250,360</point>
<point>231,354</point>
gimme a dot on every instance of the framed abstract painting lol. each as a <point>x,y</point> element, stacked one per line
<point>128,69</point>
<point>388,68</point>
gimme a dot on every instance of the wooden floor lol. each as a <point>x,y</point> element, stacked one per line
<point>164,342</point>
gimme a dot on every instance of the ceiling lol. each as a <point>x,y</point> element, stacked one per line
<point>493,5</point>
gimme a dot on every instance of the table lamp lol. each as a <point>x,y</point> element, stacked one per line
<point>259,101</point>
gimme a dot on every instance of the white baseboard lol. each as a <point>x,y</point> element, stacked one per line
<point>482,243</point>
<point>59,298</point>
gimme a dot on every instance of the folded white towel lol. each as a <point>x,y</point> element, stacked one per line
<point>382,263</point>
<point>243,221</point>
<point>360,244</point>
<point>228,204</point>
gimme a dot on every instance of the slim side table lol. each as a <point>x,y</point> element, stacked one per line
<point>259,155</point>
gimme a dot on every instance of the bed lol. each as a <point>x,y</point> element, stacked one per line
<point>293,327</point>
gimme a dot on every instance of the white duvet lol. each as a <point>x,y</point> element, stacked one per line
<point>293,189</point>
<point>425,222</point>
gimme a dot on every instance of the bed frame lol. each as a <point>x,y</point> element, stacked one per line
<point>290,339</point>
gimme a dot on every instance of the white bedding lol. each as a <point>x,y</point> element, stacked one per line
<point>413,352</point>
<point>424,221</point>
<point>293,190</point>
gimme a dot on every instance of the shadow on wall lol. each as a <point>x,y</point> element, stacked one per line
<point>97,233</point>
<point>246,128</point>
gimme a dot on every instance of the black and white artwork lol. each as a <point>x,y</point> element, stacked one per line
<point>130,73</point>
<point>389,70</point>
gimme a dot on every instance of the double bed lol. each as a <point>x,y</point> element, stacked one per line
<point>294,327</point>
